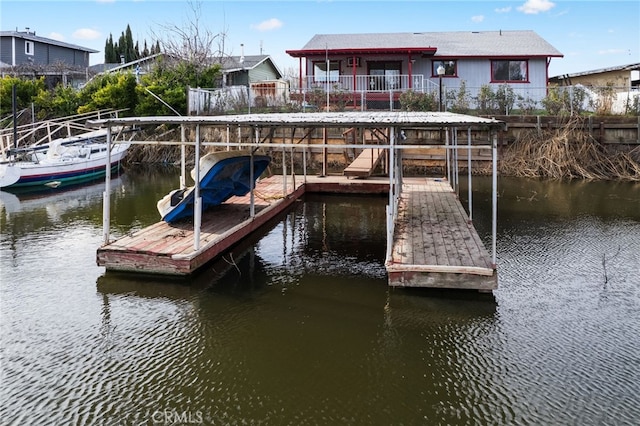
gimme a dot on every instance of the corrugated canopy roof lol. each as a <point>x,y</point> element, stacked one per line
<point>318,119</point>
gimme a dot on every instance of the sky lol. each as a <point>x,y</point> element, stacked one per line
<point>590,34</point>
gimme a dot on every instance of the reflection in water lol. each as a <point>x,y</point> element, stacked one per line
<point>298,325</point>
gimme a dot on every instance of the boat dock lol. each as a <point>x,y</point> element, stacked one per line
<point>434,243</point>
<point>176,249</point>
<point>431,240</point>
<point>365,163</point>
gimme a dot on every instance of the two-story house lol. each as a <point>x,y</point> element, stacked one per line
<point>379,67</point>
<point>25,53</point>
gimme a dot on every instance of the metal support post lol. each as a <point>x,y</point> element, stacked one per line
<point>197,207</point>
<point>106,195</point>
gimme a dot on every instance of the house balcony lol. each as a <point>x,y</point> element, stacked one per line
<point>372,91</point>
<point>367,83</point>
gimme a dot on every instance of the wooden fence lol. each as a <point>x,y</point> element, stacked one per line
<point>604,129</point>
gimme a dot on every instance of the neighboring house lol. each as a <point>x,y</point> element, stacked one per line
<point>139,66</point>
<point>255,77</point>
<point>243,70</point>
<point>620,78</point>
<point>24,53</point>
<point>379,67</point>
<point>236,70</point>
<point>613,90</point>
<point>252,79</point>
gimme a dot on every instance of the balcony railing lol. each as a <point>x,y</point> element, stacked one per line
<point>368,83</point>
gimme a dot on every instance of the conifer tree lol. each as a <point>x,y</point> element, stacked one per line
<point>130,51</point>
<point>128,48</point>
<point>122,48</point>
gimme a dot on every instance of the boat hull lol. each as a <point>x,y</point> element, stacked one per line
<point>220,180</point>
<point>61,172</point>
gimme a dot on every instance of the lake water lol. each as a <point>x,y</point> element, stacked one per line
<point>298,326</point>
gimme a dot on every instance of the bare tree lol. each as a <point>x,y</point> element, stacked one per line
<point>191,41</point>
<point>293,76</point>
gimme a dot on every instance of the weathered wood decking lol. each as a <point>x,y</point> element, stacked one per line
<point>162,248</point>
<point>434,243</point>
<point>168,249</point>
<point>365,163</point>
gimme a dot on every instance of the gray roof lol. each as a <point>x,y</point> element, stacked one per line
<point>232,63</point>
<point>98,68</point>
<point>33,37</point>
<point>457,43</point>
<point>229,63</point>
<point>628,67</point>
<point>109,67</point>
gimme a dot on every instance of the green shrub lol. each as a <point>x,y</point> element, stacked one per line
<point>418,101</point>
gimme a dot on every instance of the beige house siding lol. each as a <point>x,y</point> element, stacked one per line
<point>620,80</point>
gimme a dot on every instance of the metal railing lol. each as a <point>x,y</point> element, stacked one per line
<point>43,132</point>
<point>495,98</point>
<point>367,83</point>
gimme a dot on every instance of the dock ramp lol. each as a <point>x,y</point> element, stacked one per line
<point>365,163</point>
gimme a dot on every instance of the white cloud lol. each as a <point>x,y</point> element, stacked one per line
<point>611,52</point>
<point>503,9</point>
<point>533,7</point>
<point>86,34</point>
<point>564,12</point>
<point>268,25</point>
<point>477,18</point>
<point>56,36</point>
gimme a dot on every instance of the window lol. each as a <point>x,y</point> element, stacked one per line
<point>509,70</point>
<point>320,71</point>
<point>384,75</point>
<point>450,68</point>
<point>28,48</point>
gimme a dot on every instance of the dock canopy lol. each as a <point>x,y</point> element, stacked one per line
<point>319,119</point>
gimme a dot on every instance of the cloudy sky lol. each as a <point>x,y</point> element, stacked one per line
<point>590,34</point>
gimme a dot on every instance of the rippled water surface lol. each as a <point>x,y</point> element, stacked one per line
<point>298,326</point>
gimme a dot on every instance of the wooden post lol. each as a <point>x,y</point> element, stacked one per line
<point>601,135</point>
<point>324,152</point>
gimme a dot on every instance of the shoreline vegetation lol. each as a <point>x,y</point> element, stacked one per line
<point>563,152</point>
<point>568,153</point>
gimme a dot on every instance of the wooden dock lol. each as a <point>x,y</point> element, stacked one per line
<point>365,163</point>
<point>434,243</point>
<point>168,249</point>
